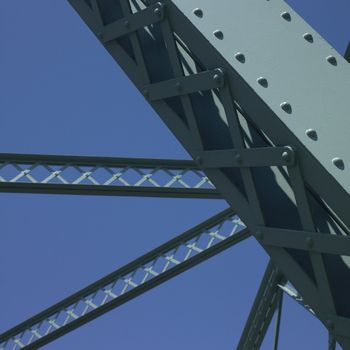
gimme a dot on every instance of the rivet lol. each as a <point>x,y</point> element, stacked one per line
<point>309,242</point>
<point>286,107</point>
<point>178,87</point>
<point>126,24</point>
<point>263,82</point>
<point>286,15</point>
<point>332,60</point>
<point>308,37</point>
<point>198,12</point>
<point>219,34</point>
<point>217,79</point>
<point>330,324</point>
<point>158,10</point>
<point>240,57</point>
<point>339,163</point>
<point>286,156</point>
<point>312,134</point>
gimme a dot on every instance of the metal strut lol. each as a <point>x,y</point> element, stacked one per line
<point>265,304</point>
<point>170,259</point>
<point>28,173</point>
<point>232,113</point>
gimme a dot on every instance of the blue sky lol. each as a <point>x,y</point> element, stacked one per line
<point>61,93</point>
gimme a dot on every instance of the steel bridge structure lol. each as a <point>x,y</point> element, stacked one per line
<point>269,138</point>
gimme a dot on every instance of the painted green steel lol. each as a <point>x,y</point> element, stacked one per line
<point>106,176</point>
<point>299,70</point>
<point>191,40</point>
<point>157,266</point>
<point>265,304</point>
<point>274,74</point>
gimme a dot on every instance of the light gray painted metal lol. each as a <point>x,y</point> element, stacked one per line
<point>297,70</point>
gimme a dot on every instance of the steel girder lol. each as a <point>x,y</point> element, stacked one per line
<point>178,255</point>
<point>176,54</point>
<point>170,50</point>
<point>26,173</point>
<point>265,304</point>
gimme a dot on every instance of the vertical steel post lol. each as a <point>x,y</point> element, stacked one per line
<point>278,319</point>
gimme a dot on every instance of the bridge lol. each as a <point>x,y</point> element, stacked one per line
<point>252,108</point>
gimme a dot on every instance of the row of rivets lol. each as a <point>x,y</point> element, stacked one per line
<point>311,133</point>
<point>285,106</point>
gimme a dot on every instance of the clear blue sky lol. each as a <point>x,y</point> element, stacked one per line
<point>61,93</point>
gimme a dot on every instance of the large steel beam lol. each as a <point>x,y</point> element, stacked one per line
<point>52,174</point>
<point>170,259</point>
<point>251,103</point>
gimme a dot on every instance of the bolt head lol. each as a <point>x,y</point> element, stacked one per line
<point>217,79</point>
<point>240,57</point>
<point>286,156</point>
<point>332,60</point>
<point>286,107</point>
<point>263,82</point>
<point>312,134</point>
<point>198,12</point>
<point>286,15</point>
<point>308,37</point>
<point>339,163</point>
<point>219,34</point>
<point>157,12</point>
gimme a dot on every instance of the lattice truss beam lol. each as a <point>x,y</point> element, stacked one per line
<point>103,176</point>
<point>183,252</point>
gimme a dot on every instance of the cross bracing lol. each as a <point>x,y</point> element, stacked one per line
<point>183,252</point>
<point>246,141</point>
<point>191,46</point>
<point>103,176</point>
